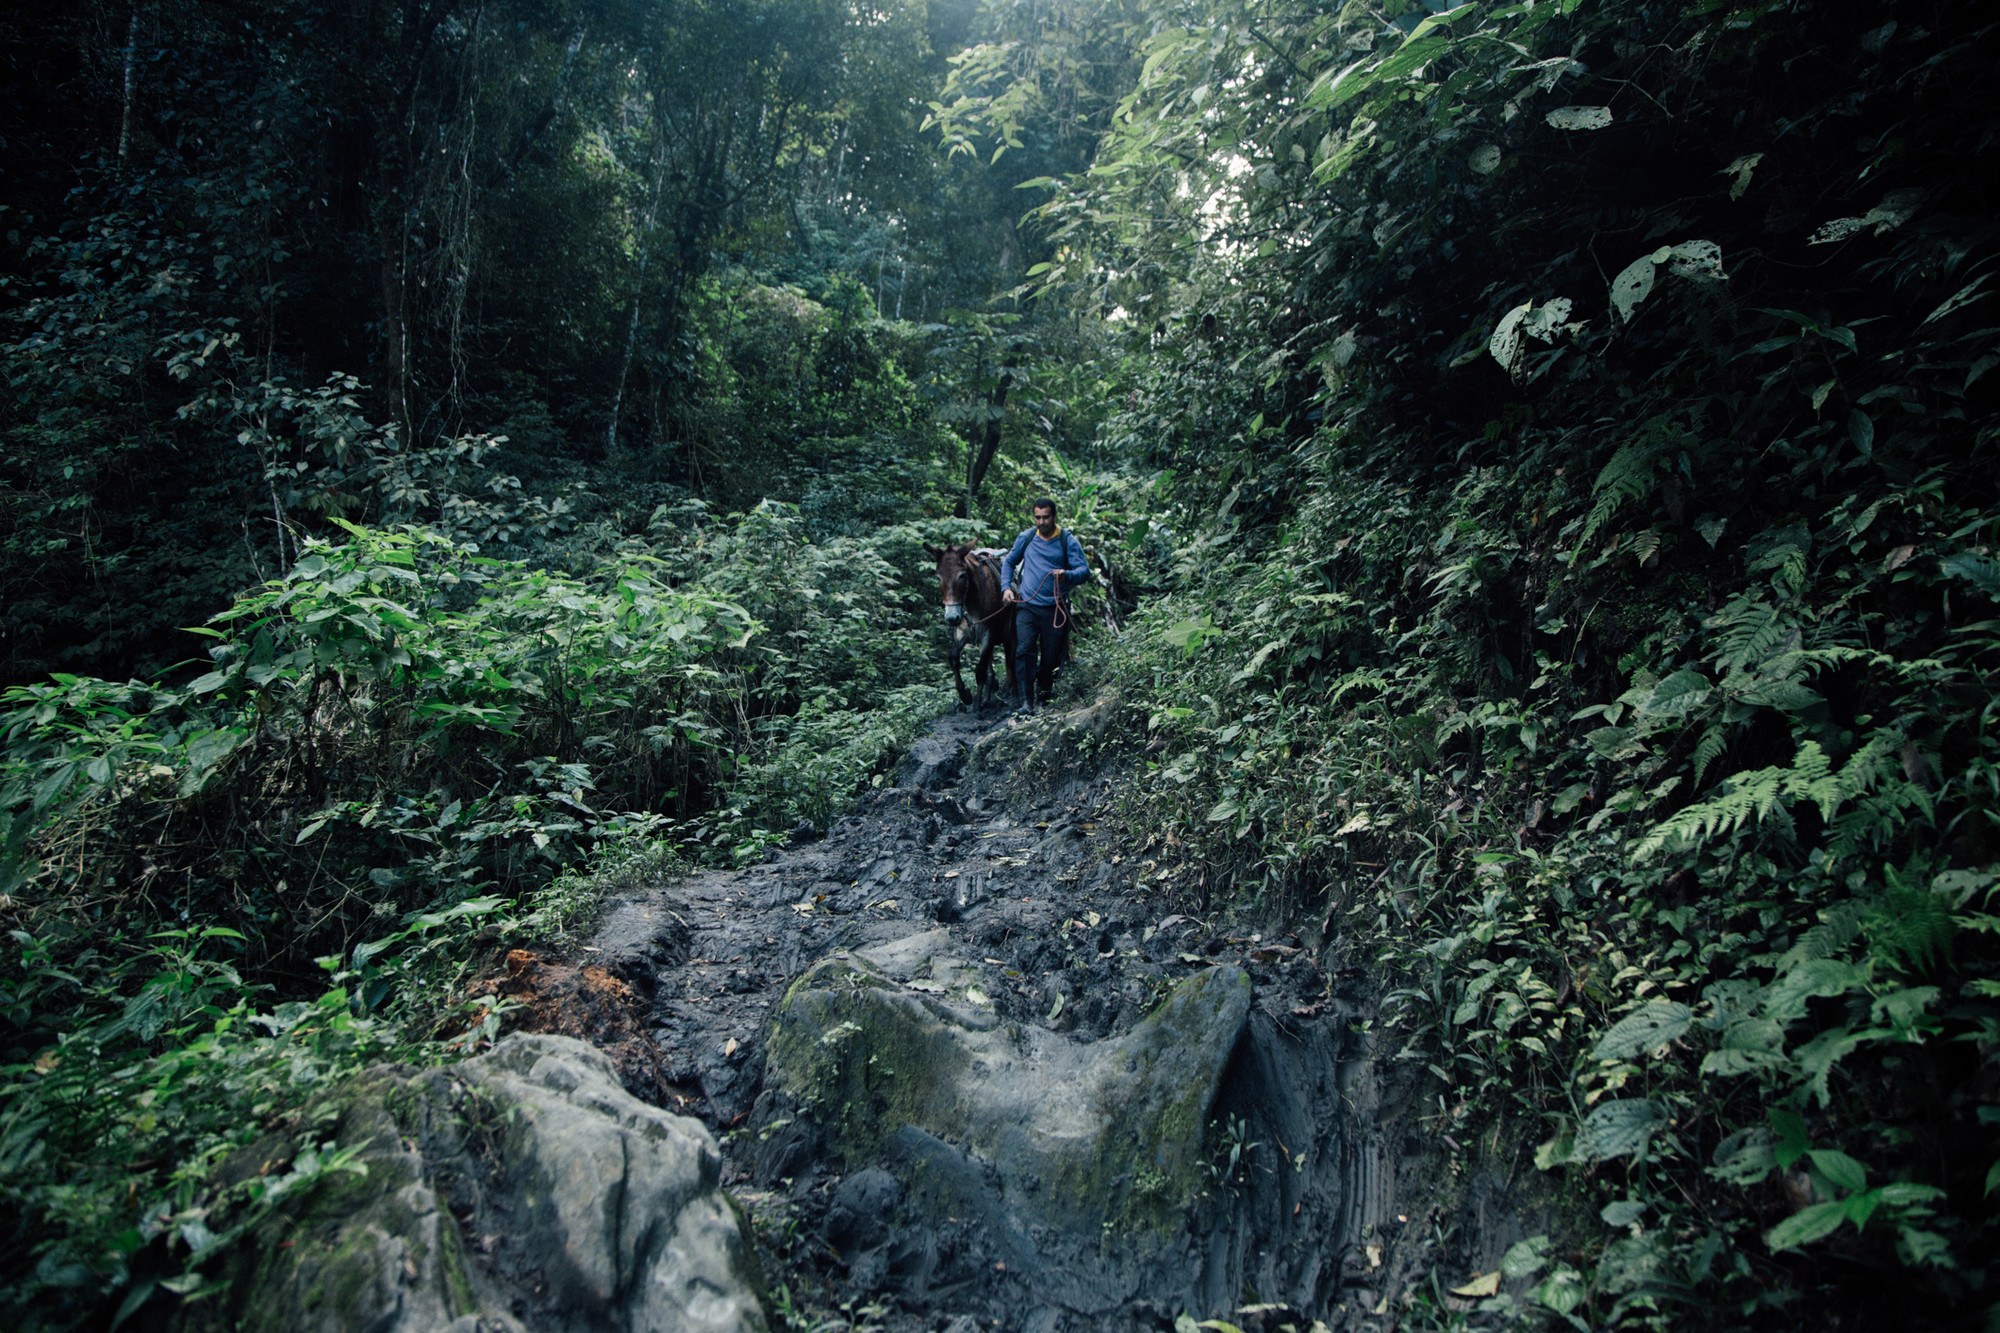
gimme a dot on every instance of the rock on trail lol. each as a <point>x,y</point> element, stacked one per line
<point>524,1189</point>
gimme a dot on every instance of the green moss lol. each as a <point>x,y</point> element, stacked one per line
<point>748,1266</point>
<point>341,1278</point>
<point>327,1245</point>
<point>868,1058</point>
<point>1149,1162</point>
<point>458,1294</point>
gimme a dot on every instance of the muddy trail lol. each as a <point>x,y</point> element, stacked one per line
<point>971,1070</point>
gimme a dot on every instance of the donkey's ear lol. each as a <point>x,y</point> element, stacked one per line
<point>934,552</point>
<point>966,548</point>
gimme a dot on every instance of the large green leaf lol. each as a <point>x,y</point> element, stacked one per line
<point>1785,999</point>
<point>1617,1129</point>
<point>1981,571</point>
<point>1643,1029</point>
<point>1839,1168</point>
<point>1809,1224</point>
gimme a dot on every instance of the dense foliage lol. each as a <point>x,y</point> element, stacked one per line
<point>1595,631</point>
<point>1556,441</point>
<point>641,250</point>
<point>494,449</point>
<point>400,743</point>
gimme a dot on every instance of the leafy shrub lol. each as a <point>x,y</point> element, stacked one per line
<point>560,913</point>
<point>1732,903</point>
<point>117,1104</point>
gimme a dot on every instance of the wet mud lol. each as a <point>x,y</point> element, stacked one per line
<point>995,884</point>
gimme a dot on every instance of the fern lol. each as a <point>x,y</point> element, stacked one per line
<point>1749,632</point>
<point>1812,777</point>
<point>1356,680</point>
<point>1908,926</point>
<point>1630,474</point>
<point>1870,824</point>
<point>1759,795</point>
<point>1745,796</point>
<point>1836,929</point>
<point>1713,742</point>
<point>1451,726</point>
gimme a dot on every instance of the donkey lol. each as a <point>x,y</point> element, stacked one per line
<point>975,616</point>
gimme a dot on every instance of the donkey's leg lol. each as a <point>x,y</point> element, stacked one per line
<point>988,687</point>
<point>957,675</point>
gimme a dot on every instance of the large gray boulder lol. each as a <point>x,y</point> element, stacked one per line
<point>619,1203</point>
<point>368,1246</point>
<point>1074,1167</point>
<point>1081,1134</point>
<point>524,1191</point>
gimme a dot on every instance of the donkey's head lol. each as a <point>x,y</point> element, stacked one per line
<point>955,579</point>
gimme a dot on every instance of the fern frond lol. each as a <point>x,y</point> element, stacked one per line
<point>1778,820</point>
<point>1876,820</point>
<point>1750,632</point>
<point>1837,927</point>
<point>1631,473</point>
<point>1867,766</point>
<point>1808,662</point>
<point>1355,680</point>
<point>1713,742</point>
<point>1812,777</point>
<point>1760,796</point>
<point>1909,927</point>
<point>1744,797</point>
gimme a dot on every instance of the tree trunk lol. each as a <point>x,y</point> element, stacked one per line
<point>981,456</point>
<point>638,295</point>
<point>395,337</point>
<point>625,362</point>
<point>131,73</point>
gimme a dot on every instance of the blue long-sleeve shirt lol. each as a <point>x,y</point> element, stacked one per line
<point>1035,561</point>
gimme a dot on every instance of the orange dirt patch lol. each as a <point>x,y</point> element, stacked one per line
<point>584,1002</point>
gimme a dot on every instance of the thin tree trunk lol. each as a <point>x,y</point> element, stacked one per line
<point>638,294</point>
<point>625,362</point>
<point>1110,604</point>
<point>131,76</point>
<point>278,522</point>
<point>458,228</point>
<point>982,453</point>
<point>395,334</point>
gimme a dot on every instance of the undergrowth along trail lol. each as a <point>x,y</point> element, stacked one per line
<point>1681,878</point>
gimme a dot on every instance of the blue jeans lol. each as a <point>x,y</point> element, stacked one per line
<point>1035,628</point>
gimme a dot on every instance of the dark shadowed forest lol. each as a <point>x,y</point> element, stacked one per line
<point>468,464</point>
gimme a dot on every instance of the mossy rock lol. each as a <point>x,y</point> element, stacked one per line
<point>369,1248</point>
<point>601,1214</point>
<point>1079,1136</point>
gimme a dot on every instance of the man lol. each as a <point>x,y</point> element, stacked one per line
<point>1045,564</point>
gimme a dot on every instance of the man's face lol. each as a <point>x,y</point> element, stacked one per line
<point>1045,521</point>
